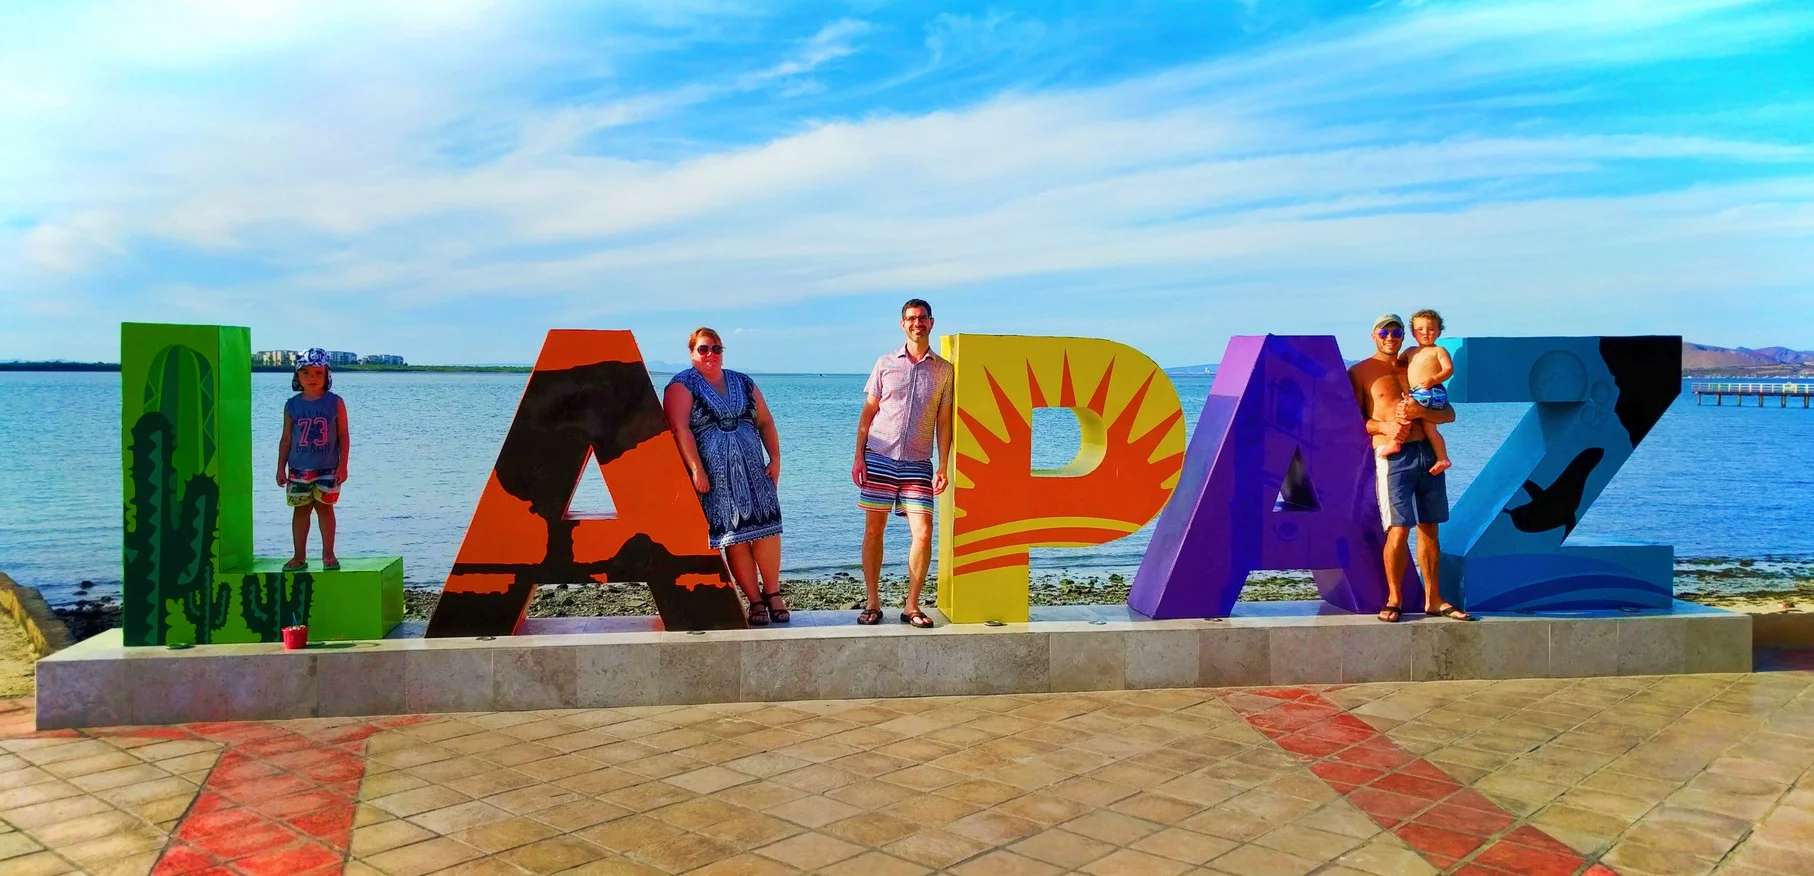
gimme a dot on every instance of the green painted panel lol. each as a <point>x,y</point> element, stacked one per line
<point>190,577</point>
<point>233,419</point>
<point>186,448</point>
<point>362,600</point>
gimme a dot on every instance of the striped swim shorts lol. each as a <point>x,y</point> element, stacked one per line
<point>892,485</point>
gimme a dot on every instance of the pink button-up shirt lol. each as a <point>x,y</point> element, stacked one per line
<point>912,395</point>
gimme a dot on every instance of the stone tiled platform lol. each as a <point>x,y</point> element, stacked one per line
<point>612,662</point>
<point>1681,774</point>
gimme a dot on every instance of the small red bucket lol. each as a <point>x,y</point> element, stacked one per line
<point>295,638</point>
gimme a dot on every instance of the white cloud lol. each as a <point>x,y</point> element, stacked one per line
<point>951,34</point>
<point>1219,176</point>
<point>833,41</point>
<point>53,248</point>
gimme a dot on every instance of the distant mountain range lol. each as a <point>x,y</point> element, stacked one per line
<point>1703,356</point>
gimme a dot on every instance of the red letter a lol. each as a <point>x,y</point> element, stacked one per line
<point>588,396</point>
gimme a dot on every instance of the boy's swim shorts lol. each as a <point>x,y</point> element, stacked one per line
<point>1433,398</point>
<point>312,486</point>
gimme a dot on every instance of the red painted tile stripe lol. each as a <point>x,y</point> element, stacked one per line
<point>1450,825</point>
<point>277,801</point>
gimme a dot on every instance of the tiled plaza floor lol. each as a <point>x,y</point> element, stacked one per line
<point>1643,775</point>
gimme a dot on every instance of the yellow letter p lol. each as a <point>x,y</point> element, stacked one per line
<point>997,506</point>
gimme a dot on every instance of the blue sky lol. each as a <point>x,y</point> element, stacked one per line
<point>449,179</point>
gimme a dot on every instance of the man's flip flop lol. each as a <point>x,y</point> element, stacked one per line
<point>1450,612</point>
<point>331,565</point>
<point>295,565</point>
<point>918,619</point>
<point>1390,614</point>
<point>869,617</point>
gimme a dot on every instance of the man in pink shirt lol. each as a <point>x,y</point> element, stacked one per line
<point>906,417</point>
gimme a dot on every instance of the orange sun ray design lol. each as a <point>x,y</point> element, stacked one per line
<point>1118,483</point>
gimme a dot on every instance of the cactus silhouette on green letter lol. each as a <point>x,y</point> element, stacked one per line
<point>173,515</point>
<point>270,601</point>
<point>180,385</point>
<point>148,521</point>
<point>206,607</point>
<point>205,602</point>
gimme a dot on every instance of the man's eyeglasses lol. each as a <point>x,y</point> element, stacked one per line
<point>1394,334</point>
<point>710,348</point>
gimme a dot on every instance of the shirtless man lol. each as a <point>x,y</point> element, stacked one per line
<point>1409,494</point>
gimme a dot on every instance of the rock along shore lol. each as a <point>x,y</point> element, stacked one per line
<point>839,591</point>
<point>1754,585</point>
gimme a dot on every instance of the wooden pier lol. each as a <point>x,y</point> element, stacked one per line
<point>1782,392</point>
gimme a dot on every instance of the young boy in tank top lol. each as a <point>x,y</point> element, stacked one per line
<point>311,456</point>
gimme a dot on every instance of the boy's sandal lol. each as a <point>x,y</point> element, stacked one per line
<point>1391,613</point>
<point>869,617</point>
<point>918,619</point>
<point>758,613</point>
<point>780,615</point>
<point>295,565</point>
<point>1450,612</point>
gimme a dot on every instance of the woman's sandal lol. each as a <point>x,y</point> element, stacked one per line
<point>918,619</point>
<point>1391,613</point>
<point>869,617</point>
<point>758,613</point>
<point>779,615</point>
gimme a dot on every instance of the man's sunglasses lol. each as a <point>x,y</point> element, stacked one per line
<point>1395,334</point>
<point>710,348</point>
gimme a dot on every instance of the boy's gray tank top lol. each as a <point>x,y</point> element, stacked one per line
<point>314,432</point>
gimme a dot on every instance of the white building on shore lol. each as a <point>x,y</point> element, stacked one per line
<point>289,358</point>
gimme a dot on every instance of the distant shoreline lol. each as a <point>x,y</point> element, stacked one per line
<point>278,369</point>
<point>1731,372</point>
<point>114,367</point>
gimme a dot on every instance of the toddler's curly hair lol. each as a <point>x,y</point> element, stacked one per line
<point>1429,314</point>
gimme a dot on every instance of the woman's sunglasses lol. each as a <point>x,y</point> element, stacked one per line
<point>710,348</point>
<point>1395,334</point>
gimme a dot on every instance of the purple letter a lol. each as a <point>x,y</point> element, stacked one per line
<point>1279,475</point>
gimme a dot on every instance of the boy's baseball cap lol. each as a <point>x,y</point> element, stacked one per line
<point>1388,319</point>
<point>314,356</point>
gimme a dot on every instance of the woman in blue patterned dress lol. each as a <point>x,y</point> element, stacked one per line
<point>723,426</point>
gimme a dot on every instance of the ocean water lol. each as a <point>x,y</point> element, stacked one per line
<point>1715,482</point>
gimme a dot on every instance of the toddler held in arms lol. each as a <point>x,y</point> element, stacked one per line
<point>1423,369</point>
